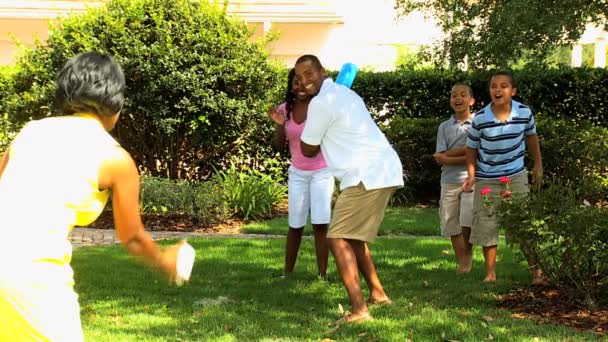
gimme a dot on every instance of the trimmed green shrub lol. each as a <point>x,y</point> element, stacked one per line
<point>572,152</point>
<point>7,128</point>
<point>197,87</point>
<point>415,141</point>
<point>566,93</point>
<point>201,201</point>
<point>250,194</point>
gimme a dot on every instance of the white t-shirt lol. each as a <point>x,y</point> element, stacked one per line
<point>353,146</point>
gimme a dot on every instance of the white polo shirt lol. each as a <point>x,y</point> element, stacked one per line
<point>353,146</point>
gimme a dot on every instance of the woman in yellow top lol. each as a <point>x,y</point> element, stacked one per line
<point>58,173</point>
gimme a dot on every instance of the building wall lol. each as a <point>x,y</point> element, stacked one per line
<point>26,31</point>
<point>337,31</point>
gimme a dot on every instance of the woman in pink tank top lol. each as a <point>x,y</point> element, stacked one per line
<point>310,183</point>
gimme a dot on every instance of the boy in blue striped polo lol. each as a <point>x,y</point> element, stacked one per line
<point>496,147</point>
<point>455,205</point>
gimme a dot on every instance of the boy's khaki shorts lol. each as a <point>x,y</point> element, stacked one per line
<point>484,231</point>
<point>358,213</point>
<point>455,209</point>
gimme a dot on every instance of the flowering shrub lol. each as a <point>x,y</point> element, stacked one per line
<point>490,200</point>
<point>568,237</point>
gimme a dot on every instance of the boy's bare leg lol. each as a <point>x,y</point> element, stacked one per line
<point>292,246</point>
<point>459,245</point>
<point>368,269</point>
<point>322,251</point>
<point>538,277</point>
<point>466,263</point>
<point>489,255</point>
<point>346,261</point>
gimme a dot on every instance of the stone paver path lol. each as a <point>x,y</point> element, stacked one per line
<point>94,237</point>
<point>81,237</point>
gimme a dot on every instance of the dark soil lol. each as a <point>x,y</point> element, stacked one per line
<point>184,223</point>
<point>552,305</point>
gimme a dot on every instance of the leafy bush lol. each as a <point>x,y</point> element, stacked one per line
<point>7,132</point>
<point>573,152</point>
<point>415,140</point>
<point>568,235</point>
<point>250,194</point>
<point>202,201</point>
<point>197,87</point>
<point>7,128</point>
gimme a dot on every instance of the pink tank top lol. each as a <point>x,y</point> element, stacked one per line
<point>293,132</point>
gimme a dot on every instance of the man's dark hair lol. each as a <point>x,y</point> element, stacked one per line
<point>504,73</point>
<point>90,82</point>
<point>313,60</point>
<point>464,85</point>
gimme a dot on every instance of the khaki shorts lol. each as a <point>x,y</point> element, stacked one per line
<point>485,226</point>
<point>455,209</point>
<point>358,213</point>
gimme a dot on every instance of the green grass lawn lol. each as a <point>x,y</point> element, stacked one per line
<point>236,294</point>
<point>397,221</point>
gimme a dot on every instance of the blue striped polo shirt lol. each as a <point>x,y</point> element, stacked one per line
<point>501,147</point>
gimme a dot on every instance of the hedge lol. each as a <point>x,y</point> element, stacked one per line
<point>576,94</point>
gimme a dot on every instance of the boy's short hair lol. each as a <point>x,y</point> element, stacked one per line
<point>469,88</point>
<point>313,60</point>
<point>504,73</point>
<point>90,82</point>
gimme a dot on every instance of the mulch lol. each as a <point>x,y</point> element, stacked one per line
<point>185,223</point>
<point>553,305</point>
<point>173,223</point>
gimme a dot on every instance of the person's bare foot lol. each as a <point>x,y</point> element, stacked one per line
<point>490,278</point>
<point>378,301</point>
<point>467,264</point>
<point>355,318</point>
<point>540,280</point>
<point>463,269</point>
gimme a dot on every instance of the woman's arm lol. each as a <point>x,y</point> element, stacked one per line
<point>120,175</point>
<point>3,162</point>
<point>278,117</point>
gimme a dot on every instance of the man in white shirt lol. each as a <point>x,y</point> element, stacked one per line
<point>369,171</point>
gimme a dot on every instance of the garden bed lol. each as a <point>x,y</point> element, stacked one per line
<point>552,305</point>
<point>185,223</point>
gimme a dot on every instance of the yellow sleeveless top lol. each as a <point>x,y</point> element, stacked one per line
<point>50,185</point>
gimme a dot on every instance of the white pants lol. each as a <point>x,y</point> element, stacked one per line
<point>309,191</point>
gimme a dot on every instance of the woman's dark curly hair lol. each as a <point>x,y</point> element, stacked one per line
<point>91,82</point>
<point>290,97</point>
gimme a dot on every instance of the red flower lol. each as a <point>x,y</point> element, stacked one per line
<point>505,194</point>
<point>505,180</point>
<point>485,191</point>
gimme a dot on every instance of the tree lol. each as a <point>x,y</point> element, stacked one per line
<point>197,86</point>
<point>500,33</point>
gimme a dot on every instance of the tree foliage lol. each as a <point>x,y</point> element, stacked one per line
<point>500,33</point>
<point>197,86</point>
